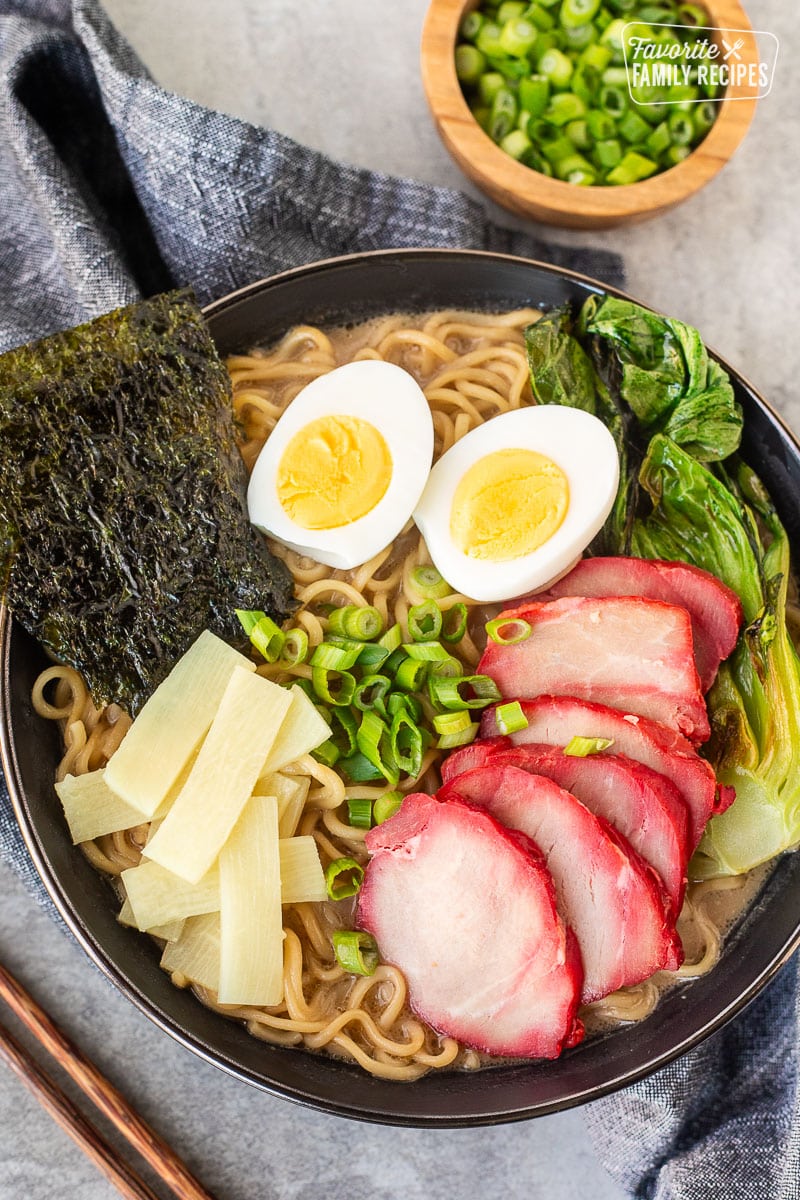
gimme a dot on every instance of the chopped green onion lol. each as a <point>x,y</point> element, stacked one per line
<point>582,747</point>
<point>447,692</point>
<point>372,655</point>
<point>556,67</point>
<point>264,634</point>
<point>681,128</point>
<point>371,693</point>
<point>657,141</point>
<point>488,40</point>
<point>426,651</point>
<point>428,581</point>
<point>489,85</point>
<point>510,718</point>
<point>359,769</point>
<point>345,728</point>
<point>504,114</point>
<point>392,638</point>
<point>564,107</point>
<point>540,17</point>
<point>507,631</point>
<point>448,667</point>
<point>676,154</point>
<point>471,25</point>
<point>510,10</point>
<point>703,117</point>
<point>411,673</point>
<point>470,63</point>
<point>608,152</point>
<point>633,128</point>
<point>334,687</point>
<point>328,753</point>
<point>386,806</point>
<point>404,702</point>
<point>394,660</point>
<point>454,622</point>
<point>424,621</point>
<point>355,951</point>
<point>405,743</point>
<point>577,12</point>
<point>612,100</point>
<point>343,878</point>
<point>249,618</point>
<point>534,94</point>
<point>364,623</point>
<point>335,658</point>
<point>632,168</point>
<point>359,812</point>
<point>449,741</point>
<point>373,742</point>
<point>452,722</point>
<point>518,37</point>
<point>295,647</point>
<point>601,125</point>
<point>516,144</point>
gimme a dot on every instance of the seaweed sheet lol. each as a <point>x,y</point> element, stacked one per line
<point>123,520</point>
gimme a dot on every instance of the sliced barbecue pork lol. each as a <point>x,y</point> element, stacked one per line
<point>715,611</point>
<point>607,895</point>
<point>467,910</point>
<point>642,805</point>
<point>627,652</point>
<point>557,719</point>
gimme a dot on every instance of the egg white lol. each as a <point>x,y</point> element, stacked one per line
<point>576,442</point>
<point>393,402</point>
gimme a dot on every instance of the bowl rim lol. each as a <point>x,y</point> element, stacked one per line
<point>114,971</point>
<point>527,191</point>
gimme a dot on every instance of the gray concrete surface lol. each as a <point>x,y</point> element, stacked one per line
<point>341,75</point>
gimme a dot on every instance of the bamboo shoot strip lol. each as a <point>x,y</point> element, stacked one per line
<point>223,777</point>
<point>290,792</point>
<point>302,877</point>
<point>158,896</point>
<point>196,952</point>
<point>172,723</point>
<point>169,932</point>
<point>302,731</point>
<point>92,809</point>
<point>289,817</point>
<point>251,924</point>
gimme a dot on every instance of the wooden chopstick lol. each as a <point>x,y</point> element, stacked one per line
<point>106,1098</point>
<point>72,1120</point>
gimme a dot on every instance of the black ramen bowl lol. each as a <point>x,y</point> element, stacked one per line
<point>336,292</point>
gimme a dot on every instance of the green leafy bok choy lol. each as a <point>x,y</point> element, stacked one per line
<point>686,495</point>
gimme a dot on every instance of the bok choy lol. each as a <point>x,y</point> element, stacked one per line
<point>686,495</point>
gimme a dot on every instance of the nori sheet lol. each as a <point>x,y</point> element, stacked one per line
<point>123,520</point>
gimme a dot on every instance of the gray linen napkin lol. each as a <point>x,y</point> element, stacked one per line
<point>111,188</point>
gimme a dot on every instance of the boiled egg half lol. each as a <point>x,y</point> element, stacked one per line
<point>345,465</point>
<point>513,504</point>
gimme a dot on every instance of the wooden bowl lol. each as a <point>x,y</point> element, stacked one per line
<point>531,194</point>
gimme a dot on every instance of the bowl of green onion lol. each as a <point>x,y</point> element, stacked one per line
<point>588,113</point>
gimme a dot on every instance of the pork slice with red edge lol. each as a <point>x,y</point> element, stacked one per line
<point>467,910</point>
<point>626,652</point>
<point>642,805</point>
<point>606,894</point>
<point>555,720</point>
<point>715,611</point>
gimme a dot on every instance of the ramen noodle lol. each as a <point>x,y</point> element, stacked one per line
<point>471,366</point>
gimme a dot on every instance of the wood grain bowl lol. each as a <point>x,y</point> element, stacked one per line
<point>530,194</point>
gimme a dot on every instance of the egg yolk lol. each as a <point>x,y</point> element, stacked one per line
<point>508,504</point>
<point>333,471</point>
